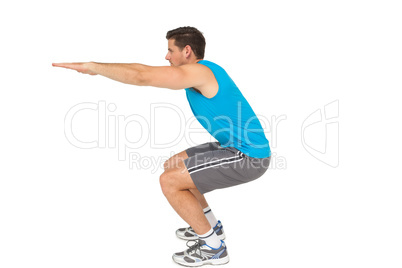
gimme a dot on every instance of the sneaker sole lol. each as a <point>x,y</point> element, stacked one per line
<point>221,261</point>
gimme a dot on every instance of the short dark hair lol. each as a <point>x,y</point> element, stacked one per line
<point>191,36</point>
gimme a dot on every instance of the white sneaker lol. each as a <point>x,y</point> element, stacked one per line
<point>200,253</point>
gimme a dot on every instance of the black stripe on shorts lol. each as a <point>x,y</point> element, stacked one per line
<point>239,156</point>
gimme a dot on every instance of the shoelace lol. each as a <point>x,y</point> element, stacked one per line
<point>195,247</point>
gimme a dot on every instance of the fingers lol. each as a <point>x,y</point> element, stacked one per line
<point>77,66</point>
<point>73,66</point>
<point>81,67</point>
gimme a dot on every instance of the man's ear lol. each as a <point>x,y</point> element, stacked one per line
<point>187,50</point>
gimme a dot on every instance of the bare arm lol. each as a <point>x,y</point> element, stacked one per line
<point>185,76</point>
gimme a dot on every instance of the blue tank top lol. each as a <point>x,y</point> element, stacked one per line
<point>228,116</point>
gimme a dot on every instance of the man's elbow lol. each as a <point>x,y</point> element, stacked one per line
<point>141,79</point>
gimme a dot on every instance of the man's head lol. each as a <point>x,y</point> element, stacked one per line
<point>185,45</point>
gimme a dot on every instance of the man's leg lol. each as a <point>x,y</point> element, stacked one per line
<point>200,197</point>
<point>172,163</point>
<point>188,233</point>
<point>178,187</point>
<point>182,193</point>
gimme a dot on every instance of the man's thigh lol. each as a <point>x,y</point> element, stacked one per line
<point>174,160</point>
<point>177,178</point>
<point>216,169</point>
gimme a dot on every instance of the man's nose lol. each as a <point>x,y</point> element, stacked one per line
<point>167,56</point>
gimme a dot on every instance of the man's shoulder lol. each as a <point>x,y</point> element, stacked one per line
<point>208,85</point>
<point>202,68</point>
<point>213,66</point>
<point>193,66</point>
<point>208,63</point>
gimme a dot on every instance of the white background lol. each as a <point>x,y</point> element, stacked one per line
<point>62,206</point>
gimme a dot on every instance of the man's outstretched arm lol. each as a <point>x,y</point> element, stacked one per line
<point>185,76</point>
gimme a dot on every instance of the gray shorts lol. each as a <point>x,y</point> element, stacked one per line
<point>213,167</point>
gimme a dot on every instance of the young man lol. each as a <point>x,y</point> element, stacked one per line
<point>241,153</point>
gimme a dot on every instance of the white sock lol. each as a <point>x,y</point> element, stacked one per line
<point>211,239</point>
<point>210,217</point>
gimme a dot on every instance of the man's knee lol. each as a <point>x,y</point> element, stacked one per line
<point>175,179</point>
<point>170,162</point>
<point>166,164</point>
<point>166,182</point>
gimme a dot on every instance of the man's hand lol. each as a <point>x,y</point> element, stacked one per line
<point>81,67</point>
